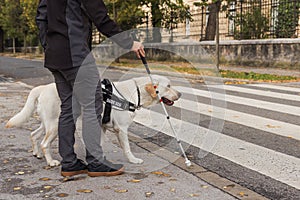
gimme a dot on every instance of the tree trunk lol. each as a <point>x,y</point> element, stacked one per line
<point>14,45</point>
<point>25,45</point>
<point>156,22</point>
<point>210,32</point>
<point>1,40</point>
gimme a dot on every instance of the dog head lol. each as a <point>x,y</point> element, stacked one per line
<point>162,85</point>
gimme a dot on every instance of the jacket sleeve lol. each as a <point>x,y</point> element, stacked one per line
<point>97,12</point>
<point>42,22</point>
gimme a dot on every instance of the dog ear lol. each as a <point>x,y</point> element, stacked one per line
<point>151,90</point>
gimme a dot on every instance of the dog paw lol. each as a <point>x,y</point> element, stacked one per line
<point>54,163</point>
<point>38,155</point>
<point>136,161</point>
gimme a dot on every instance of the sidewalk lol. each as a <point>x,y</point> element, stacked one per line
<point>25,177</point>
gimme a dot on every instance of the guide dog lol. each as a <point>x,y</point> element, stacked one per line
<point>45,100</point>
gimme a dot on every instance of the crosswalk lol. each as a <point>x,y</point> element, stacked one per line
<point>260,142</point>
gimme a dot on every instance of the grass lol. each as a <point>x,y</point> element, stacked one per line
<point>256,76</point>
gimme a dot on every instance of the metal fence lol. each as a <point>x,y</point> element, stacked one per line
<point>243,19</point>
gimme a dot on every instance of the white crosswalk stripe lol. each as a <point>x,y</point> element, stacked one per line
<point>279,166</point>
<point>242,100</point>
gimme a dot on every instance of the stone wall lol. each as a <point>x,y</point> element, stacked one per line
<point>281,53</point>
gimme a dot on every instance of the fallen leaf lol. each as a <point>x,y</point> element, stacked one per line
<point>242,194</point>
<point>229,186</point>
<point>166,175</point>
<point>106,187</point>
<point>47,167</point>
<point>5,161</point>
<point>172,179</point>
<point>45,179</point>
<point>172,190</point>
<point>121,191</point>
<point>204,186</point>
<point>149,194</point>
<point>20,173</point>
<point>134,181</point>
<point>48,187</point>
<point>17,188</point>
<point>270,126</point>
<point>157,173</point>
<point>194,195</point>
<point>85,191</point>
<point>11,136</point>
<point>62,195</point>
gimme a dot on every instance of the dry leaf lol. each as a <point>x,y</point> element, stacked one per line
<point>172,179</point>
<point>20,173</point>
<point>242,194</point>
<point>45,179</point>
<point>172,190</point>
<point>85,191</point>
<point>149,194</point>
<point>47,167</point>
<point>204,186</point>
<point>106,187</point>
<point>229,186</point>
<point>5,161</point>
<point>17,188</point>
<point>157,173</point>
<point>121,191</point>
<point>48,187</point>
<point>166,175</point>
<point>62,195</point>
<point>134,181</point>
<point>194,195</point>
<point>270,126</point>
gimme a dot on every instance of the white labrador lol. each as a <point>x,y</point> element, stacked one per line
<point>47,102</point>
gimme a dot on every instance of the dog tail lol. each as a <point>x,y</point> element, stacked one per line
<point>28,109</point>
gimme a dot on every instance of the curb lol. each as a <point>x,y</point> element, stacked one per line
<point>213,179</point>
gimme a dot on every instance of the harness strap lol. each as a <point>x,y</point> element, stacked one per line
<point>107,95</point>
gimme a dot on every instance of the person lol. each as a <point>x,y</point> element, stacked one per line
<point>65,34</point>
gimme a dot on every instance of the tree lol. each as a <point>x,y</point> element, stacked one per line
<point>128,14</point>
<point>214,7</point>
<point>252,24</point>
<point>29,27</point>
<point>288,16</point>
<point>166,14</point>
<point>10,19</point>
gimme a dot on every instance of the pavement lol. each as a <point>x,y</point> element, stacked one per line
<point>163,175</point>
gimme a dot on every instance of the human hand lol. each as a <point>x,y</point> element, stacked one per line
<point>138,48</point>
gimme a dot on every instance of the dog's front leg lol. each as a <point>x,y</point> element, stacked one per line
<point>124,142</point>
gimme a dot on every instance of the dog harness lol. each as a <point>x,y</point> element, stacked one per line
<point>114,99</point>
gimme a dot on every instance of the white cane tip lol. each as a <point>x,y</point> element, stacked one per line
<point>188,163</point>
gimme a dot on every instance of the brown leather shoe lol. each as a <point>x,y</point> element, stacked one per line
<point>106,168</point>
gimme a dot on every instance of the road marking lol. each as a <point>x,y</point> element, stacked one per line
<point>257,122</point>
<point>260,92</point>
<point>279,166</point>
<point>278,87</point>
<point>293,110</point>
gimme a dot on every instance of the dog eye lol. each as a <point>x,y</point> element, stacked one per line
<point>168,86</point>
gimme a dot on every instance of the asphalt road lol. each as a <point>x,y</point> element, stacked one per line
<point>249,136</point>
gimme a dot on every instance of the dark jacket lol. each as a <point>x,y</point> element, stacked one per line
<point>65,30</point>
